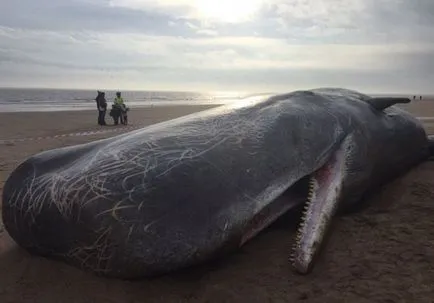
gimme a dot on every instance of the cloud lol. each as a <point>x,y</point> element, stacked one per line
<point>179,43</point>
<point>140,52</point>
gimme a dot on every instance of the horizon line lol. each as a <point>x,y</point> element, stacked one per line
<point>201,91</point>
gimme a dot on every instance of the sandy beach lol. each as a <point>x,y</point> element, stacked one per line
<point>381,254</point>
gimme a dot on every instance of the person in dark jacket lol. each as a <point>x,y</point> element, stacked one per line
<point>101,104</point>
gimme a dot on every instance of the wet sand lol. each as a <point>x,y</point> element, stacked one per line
<point>381,254</point>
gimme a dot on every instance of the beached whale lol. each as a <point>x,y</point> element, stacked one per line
<point>183,191</point>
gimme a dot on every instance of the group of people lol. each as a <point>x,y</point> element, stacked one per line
<point>118,111</point>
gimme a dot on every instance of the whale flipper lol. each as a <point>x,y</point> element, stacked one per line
<point>381,103</point>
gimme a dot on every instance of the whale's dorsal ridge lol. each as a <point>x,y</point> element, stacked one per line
<point>381,103</point>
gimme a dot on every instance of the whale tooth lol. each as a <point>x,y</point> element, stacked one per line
<point>305,214</point>
<point>292,254</point>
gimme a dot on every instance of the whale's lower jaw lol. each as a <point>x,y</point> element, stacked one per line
<point>320,192</point>
<point>325,194</point>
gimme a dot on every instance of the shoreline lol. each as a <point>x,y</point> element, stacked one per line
<point>67,108</point>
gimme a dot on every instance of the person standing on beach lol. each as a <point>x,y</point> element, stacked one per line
<point>118,107</point>
<point>101,104</point>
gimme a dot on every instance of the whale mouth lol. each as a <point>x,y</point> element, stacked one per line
<point>290,200</point>
<point>294,200</point>
<point>324,195</point>
<point>319,194</point>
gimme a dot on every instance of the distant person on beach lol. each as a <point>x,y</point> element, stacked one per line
<point>119,110</point>
<point>101,104</point>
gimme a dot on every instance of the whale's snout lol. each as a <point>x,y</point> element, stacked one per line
<point>93,215</point>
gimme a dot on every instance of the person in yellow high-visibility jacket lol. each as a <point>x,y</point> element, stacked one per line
<point>118,107</point>
<point>119,101</point>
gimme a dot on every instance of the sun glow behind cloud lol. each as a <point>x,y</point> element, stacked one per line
<point>227,10</point>
<point>230,11</point>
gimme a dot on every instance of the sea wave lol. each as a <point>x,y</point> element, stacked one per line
<point>13,100</point>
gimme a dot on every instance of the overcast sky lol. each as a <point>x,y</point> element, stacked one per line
<point>245,45</point>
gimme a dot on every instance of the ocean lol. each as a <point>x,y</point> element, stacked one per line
<point>15,99</point>
<point>20,100</point>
